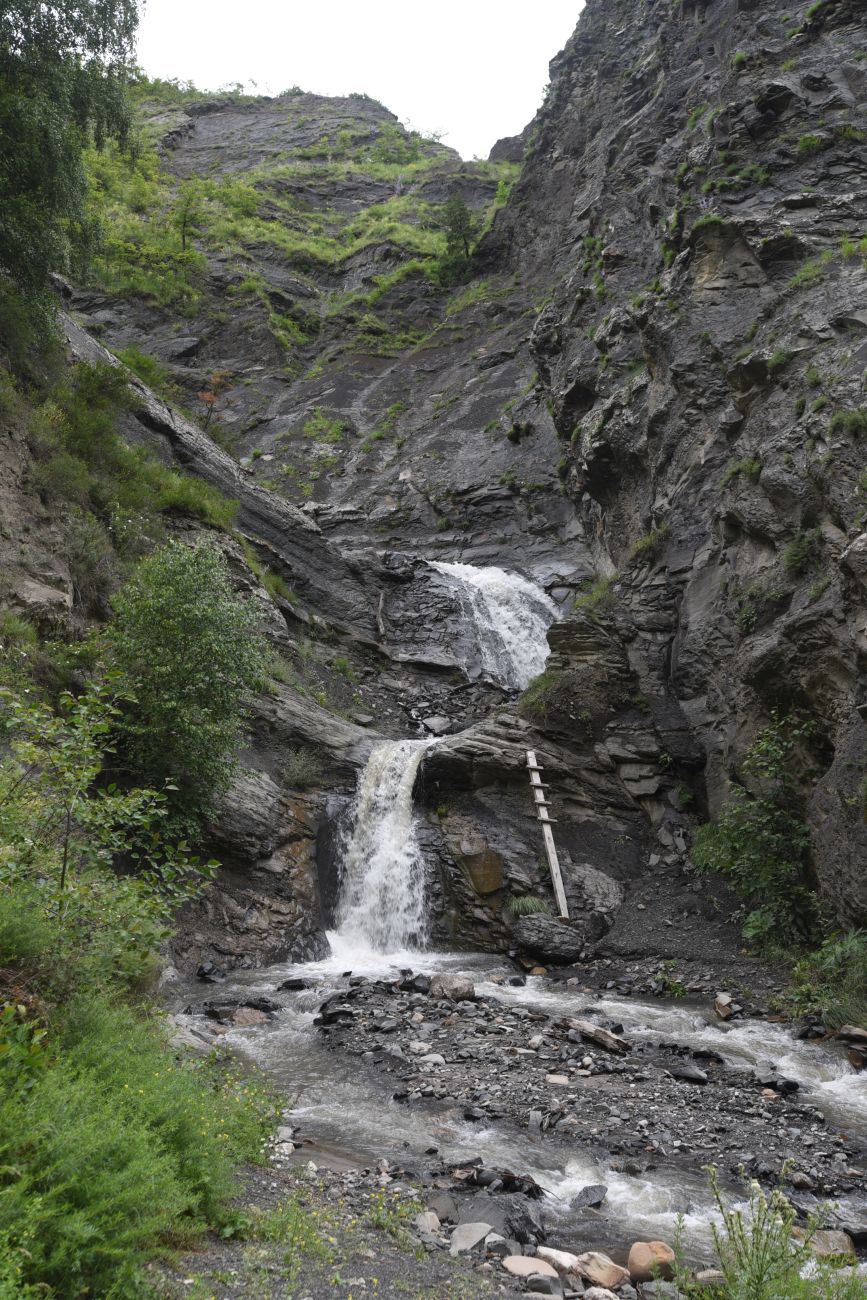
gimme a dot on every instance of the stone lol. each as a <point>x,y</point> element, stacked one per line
<point>604,1037</point>
<point>443,1206</point>
<point>688,1073</point>
<point>527,1265</point>
<point>650,1259</point>
<point>418,1048</point>
<point>601,1270</point>
<point>599,1293</point>
<point>826,1241</point>
<point>514,1216</point>
<point>709,1277</point>
<point>723,1005</point>
<point>852,1034</point>
<point>497,1245</point>
<point>563,1260</point>
<point>662,1291</point>
<point>547,937</point>
<point>467,1235</point>
<point>560,1080</point>
<point>543,1284</point>
<point>244,1017</point>
<point>427,1221</point>
<point>458,988</point>
<point>592,1195</point>
<point>437,725</point>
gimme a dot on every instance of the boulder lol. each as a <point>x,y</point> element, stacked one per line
<point>525,1265</point>
<point>563,1260</point>
<point>547,937</point>
<point>593,1195</point>
<point>596,1034</point>
<point>599,1269</point>
<point>467,1235</point>
<point>650,1259</point>
<point>826,1242</point>
<point>458,988</point>
<point>427,1221</point>
<point>513,1216</point>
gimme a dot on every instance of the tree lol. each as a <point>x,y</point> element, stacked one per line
<point>459,226</point>
<point>189,210</point>
<point>187,652</point>
<point>62,87</point>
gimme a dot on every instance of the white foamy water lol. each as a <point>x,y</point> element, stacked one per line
<point>382,903</point>
<point>510,618</point>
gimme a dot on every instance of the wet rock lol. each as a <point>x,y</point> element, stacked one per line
<point>723,1003</point>
<point>539,1283</point>
<point>437,725</point>
<point>467,1235</point>
<point>596,1034</point>
<point>650,1259</point>
<point>458,988</point>
<point>549,938</point>
<point>294,985</point>
<point>593,1195</point>
<point>513,1216</point>
<point>688,1073</point>
<point>210,973</point>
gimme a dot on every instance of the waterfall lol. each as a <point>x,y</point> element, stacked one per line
<point>382,895</point>
<point>510,617</point>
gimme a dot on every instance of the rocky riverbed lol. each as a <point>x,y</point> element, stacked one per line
<point>567,1120</point>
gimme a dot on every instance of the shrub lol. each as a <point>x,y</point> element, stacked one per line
<point>648,548</point>
<point>739,60</point>
<point>527,905</point>
<point>832,982</point>
<point>811,144</point>
<point>597,595</point>
<point>751,469</point>
<point>303,767</point>
<point>853,422</point>
<point>760,840</point>
<point>802,553</point>
<point>779,360</point>
<point>187,652</point>
<point>811,272</point>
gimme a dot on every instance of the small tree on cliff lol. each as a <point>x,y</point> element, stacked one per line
<point>187,652</point>
<point>460,230</point>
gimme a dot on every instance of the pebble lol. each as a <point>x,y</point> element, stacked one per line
<point>466,1236</point>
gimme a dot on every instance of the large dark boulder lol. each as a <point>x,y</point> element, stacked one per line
<point>549,938</point>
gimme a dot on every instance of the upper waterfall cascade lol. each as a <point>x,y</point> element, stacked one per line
<point>382,903</point>
<point>510,617</point>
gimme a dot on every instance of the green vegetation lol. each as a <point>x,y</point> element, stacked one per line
<point>187,652</point>
<point>852,422</point>
<point>760,840</point>
<point>778,361</point>
<point>460,231</point>
<point>812,144</point>
<point>811,272</point>
<point>109,1147</point>
<point>81,459</point>
<point>758,1256</point>
<point>597,595</point>
<point>750,469</point>
<point>832,981</point>
<point>707,221</point>
<point>303,767</point>
<point>695,116</point>
<point>738,61</point>
<point>649,547</point>
<point>802,554</point>
<point>527,905</point>
<point>62,78</point>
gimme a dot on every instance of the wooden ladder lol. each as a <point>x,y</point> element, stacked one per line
<point>539,787</point>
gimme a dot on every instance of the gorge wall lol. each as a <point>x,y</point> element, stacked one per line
<point>653,383</point>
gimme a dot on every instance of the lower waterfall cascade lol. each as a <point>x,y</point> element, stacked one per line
<point>382,904</point>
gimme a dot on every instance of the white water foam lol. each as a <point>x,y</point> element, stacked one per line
<point>382,903</point>
<point>510,618</point>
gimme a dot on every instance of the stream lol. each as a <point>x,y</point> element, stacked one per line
<point>342,1105</point>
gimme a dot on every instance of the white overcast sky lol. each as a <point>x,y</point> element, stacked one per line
<point>471,69</point>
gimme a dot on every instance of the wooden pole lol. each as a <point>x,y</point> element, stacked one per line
<point>538,787</point>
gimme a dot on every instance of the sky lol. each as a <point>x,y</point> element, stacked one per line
<point>472,70</point>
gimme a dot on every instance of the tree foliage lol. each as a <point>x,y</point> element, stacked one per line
<point>760,840</point>
<point>460,232</point>
<point>62,86</point>
<point>187,651</point>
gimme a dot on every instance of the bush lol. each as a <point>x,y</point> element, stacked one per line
<point>751,469</point>
<point>832,982</point>
<point>760,841</point>
<point>802,553</point>
<point>303,768</point>
<point>187,652</point>
<point>853,422</point>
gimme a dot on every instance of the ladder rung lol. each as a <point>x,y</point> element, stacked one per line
<point>547,821</point>
<point>535,767</point>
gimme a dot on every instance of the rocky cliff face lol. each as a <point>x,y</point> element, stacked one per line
<point>654,383</point>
